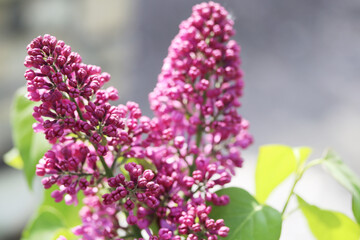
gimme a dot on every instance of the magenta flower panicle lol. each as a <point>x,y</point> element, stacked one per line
<point>192,145</point>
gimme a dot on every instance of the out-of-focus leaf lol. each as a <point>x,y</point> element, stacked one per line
<point>70,213</point>
<point>143,162</point>
<point>44,225</point>
<point>13,159</point>
<point>302,154</point>
<point>346,177</point>
<point>275,164</point>
<point>154,227</point>
<point>65,233</point>
<point>246,218</point>
<point>30,145</point>
<point>67,217</point>
<point>356,207</point>
<point>329,225</point>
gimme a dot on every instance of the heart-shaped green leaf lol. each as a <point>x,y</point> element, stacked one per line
<point>246,218</point>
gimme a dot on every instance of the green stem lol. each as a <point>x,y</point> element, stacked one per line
<point>79,174</point>
<point>77,108</point>
<point>198,135</point>
<point>130,236</point>
<point>297,179</point>
<point>108,171</point>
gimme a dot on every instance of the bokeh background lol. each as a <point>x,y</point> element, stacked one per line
<point>302,66</point>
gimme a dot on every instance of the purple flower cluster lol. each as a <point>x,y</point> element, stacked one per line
<point>196,97</point>
<point>160,171</point>
<point>139,190</point>
<point>76,117</point>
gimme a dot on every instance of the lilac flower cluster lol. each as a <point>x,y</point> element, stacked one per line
<point>196,97</point>
<point>196,101</point>
<point>76,117</point>
<point>159,171</point>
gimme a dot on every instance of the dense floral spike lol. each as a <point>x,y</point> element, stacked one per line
<point>198,133</point>
<point>75,114</point>
<point>196,97</point>
<point>192,145</point>
<point>196,101</point>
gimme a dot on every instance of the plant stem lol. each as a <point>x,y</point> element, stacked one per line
<point>298,176</point>
<point>108,171</point>
<point>77,108</point>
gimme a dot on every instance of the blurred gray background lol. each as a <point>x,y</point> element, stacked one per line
<point>302,66</point>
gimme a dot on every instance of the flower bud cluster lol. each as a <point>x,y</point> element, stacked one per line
<point>76,117</point>
<point>72,166</point>
<point>196,97</point>
<point>197,125</point>
<point>200,211</point>
<point>140,193</point>
<point>192,144</point>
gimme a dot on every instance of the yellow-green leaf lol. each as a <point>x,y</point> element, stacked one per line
<point>65,233</point>
<point>329,225</point>
<point>13,159</point>
<point>302,154</point>
<point>275,164</point>
<point>143,162</point>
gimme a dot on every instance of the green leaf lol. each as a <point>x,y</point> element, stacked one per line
<point>66,217</point>
<point>13,159</point>
<point>64,232</point>
<point>69,213</point>
<point>346,177</point>
<point>45,224</point>
<point>154,227</point>
<point>143,162</point>
<point>356,207</point>
<point>275,164</point>
<point>246,218</point>
<point>329,225</point>
<point>30,145</point>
